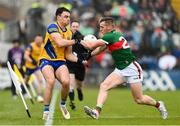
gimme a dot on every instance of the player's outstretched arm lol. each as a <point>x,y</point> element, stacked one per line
<point>91,45</point>
<point>69,55</point>
<point>60,41</point>
<point>98,50</point>
<point>27,55</point>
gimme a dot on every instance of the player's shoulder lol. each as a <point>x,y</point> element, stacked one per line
<point>107,35</point>
<point>30,46</point>
<point>113,33</point>
<point>53,24</point>
<point>52,27</point>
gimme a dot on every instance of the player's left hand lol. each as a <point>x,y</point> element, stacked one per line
<point>77,35</point>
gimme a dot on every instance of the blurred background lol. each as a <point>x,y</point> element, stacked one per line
<point>150,26</point>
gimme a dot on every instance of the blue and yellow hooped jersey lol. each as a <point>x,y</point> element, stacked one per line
<point>35,52</point>
<point>51,51</point>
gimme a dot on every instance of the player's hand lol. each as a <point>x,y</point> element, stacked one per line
<point>84,62</point>
<point>80,61</point>
<point>77,35</point>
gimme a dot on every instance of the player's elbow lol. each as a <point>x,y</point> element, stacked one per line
<point>90,46</point>
<point>61,44</point>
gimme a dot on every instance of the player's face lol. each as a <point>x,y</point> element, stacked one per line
<point>74,27</point>
<point>64,18</point>
<point>104,28</point>
<point>38,40</point>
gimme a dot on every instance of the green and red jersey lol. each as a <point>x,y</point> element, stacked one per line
<point>119,48</point>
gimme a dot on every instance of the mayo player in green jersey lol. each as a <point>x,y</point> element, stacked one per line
<point>127,69</point>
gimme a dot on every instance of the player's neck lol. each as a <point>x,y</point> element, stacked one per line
<point>39,45</point>
<point>61,25</point>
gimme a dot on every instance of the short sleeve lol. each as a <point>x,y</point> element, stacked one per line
<point>52,28</point>
<point>29,47</point>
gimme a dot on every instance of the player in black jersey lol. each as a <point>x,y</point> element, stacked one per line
<point>77,70</point>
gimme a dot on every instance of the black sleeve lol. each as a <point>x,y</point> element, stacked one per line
<point>10,57</point>
<point>22,59</point>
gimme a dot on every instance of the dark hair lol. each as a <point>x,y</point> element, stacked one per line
<point>39,34</point>
<point>106,19</point>
<point>15,41</point>
<point>75,21</point>
<point>60,10</point>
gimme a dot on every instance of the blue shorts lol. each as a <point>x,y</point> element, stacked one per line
<point>31,71</point>
<point>55,64</point>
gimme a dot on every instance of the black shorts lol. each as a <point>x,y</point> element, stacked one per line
<point>77,69</point>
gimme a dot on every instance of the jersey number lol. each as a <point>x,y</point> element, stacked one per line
<point>125,45</point>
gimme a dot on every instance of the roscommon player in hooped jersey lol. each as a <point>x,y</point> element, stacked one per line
<point>127,69</point>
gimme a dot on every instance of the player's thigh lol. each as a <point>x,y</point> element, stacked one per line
<point>136,90</point>
<point>112,80</point>
<point>48,73</point>
<point>62,74</point>
<point>38,75</point>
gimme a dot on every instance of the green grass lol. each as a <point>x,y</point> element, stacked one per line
<point>120,109</point>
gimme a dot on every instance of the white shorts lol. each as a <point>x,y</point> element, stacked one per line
<point>132,73</point>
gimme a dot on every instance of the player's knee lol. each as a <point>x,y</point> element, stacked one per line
<point>65,83</point>
<point>51,81</point>
<point>104,86</point>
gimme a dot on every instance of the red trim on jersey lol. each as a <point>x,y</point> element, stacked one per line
<point>116,46</point>
<point>139,71</point>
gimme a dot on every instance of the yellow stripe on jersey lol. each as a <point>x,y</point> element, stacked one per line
<point>34,54</point>
<point>51,51</point>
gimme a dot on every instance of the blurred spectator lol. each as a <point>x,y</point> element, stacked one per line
<point>137,32</point>
<point>22,29</point>
<point>15,56</point>
<point>35,21</point>
<point>157,38</point>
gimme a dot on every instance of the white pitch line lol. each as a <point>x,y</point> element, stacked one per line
<point>126,117</point>
<point>49,121</point>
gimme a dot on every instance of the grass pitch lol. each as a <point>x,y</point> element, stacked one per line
<point>120,109</point>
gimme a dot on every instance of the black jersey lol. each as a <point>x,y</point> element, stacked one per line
<point>79,49</point>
